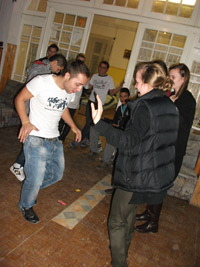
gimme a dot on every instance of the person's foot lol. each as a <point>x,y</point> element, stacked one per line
<point>74,144</point>
<point>109,191</point>
<point>29,215</point>
<point>18,171</point>
<point>90,154</point>
<point>85,143</point>
<point>103,165</point>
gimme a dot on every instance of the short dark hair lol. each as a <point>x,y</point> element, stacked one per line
<point>53,46</point>
<point>80,55</point>
<point>105,63</point>
<point>125,90</point>
<point>62,62</point>
<point>76,67</point>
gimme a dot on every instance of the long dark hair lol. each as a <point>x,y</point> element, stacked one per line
<point>185,73</point>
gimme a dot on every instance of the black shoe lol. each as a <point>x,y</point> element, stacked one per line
<point>145,216</point>
<point>147,227</point>
<point>29,215</point>
<point>109,191</point>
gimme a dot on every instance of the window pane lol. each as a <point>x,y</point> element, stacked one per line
<point>33,5</point>
<point>65,46</point>
<point>108,2</point>
<point>68,28</point>
<point>69,19</point>
<point>80,22</point>
<point>42,5</point>
<point>172,9</point>
<point>158,55</point>
<point>65,37</point>
<point>75,48</point>
<point>64,52</point>
<point>59,17</point>
<point>150,35</point>
<point>161,47</point>
<point>186,11</point>
<point>77,36</point>
<point>21,58</point>
<point>35,40</point>
<point>133,3</point>
<point>164,38</point>
<point>25,38</point>
<point>120,2</point>
<point>36,31</point>
<point>178,41</point>
<point>158,6</point>
<point>27,30</point>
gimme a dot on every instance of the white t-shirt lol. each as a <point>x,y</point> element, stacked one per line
<point>101,85</point>
<point>75,103</point>
<point>47,105</point>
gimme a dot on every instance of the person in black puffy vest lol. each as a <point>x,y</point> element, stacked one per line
<point>186,104</point>
<point>144,168</point>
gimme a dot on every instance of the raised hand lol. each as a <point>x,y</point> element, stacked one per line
<point>97,113</point>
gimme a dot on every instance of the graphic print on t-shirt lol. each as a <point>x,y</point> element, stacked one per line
<point>56,103</point>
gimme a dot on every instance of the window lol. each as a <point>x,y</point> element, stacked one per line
<point>161,45</point>
<point>194,87</point>
<point>180,8</point>
<point>123,3</point>
<point>29,42</point>
<point>67,32</point>
<point>38,5</point>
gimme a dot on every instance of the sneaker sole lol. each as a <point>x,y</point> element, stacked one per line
<point>20,179</point>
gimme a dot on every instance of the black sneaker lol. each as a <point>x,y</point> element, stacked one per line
<point>29,215</point>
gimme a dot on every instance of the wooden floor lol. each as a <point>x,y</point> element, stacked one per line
<point>86,245</point>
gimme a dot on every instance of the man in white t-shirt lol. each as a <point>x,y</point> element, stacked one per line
<point>73,106</point>
<point>101,84</point>
<point>49,97</point>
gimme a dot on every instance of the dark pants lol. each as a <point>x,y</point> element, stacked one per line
<point>64,127</point>
<point>21,158</point>
<point>121,226</point>
<point>86,129</point>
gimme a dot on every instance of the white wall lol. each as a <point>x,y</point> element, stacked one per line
<point>10,18</point>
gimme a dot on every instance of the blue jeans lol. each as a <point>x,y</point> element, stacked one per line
<point>44,166</point>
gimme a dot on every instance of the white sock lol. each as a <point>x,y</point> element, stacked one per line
<point>17,165</point>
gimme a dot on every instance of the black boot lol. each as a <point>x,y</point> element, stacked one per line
<point>151,226</point>
<point>145,216</point>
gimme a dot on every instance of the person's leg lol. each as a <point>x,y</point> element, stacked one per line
<point>86,128</point>
<point>55,163</point>
<point>36,155</point>
<point>65,128</point>
<point>18,167</point>
<point>108,152</point>
<point>121,226</point>
<point>94,136</point>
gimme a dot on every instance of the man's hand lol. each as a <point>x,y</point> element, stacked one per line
<point>25,131</point>
<point>77,133</point>
<point>97,113</point>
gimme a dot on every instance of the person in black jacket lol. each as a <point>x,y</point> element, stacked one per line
<point>144,168</point>
<point>186,104</point>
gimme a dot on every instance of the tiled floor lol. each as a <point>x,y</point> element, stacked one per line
<point>86,245</point>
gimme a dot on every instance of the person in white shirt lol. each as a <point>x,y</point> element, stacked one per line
<point>49,97</point>
<point>101,84</point>
<point>73,106</point>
